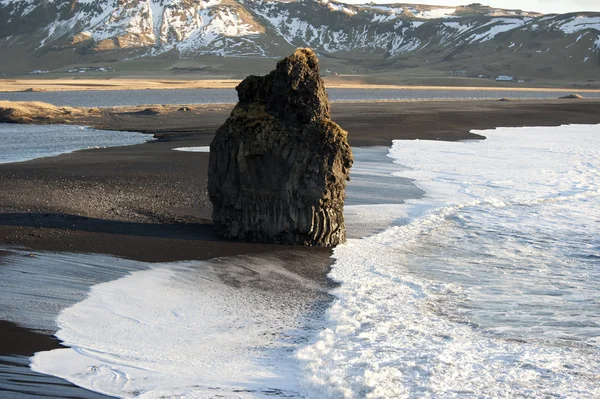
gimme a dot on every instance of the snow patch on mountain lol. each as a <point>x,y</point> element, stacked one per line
<point>340,7</point>
<point>579,23</point>
<point>386,9</point>
<point>489,30</point>
<point>458,27</point>
<point>435,13</point>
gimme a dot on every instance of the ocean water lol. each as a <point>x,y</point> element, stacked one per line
<point>26,142</point>
<point>487,287</point>
<point>115,98</point>
<point>478,279</point>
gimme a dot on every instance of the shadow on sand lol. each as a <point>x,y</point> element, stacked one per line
<point>63,221</point>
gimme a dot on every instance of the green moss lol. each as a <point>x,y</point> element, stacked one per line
<point>251,111</point>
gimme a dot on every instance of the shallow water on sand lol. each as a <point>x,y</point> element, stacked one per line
<point>18,381</point>
<point>116,98</point>
<point>26,142</point>
<point>34,288</point>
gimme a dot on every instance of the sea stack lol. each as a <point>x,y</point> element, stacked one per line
<point>279,165</point>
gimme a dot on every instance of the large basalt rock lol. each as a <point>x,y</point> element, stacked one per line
<point>278,166</point>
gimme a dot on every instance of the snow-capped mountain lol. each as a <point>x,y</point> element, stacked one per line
<point>188,28</point>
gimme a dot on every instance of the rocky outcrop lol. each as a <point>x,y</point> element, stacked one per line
<point>125,41</point>
<point>572,97</point>
<point>278,166</point>
<point>80,38</point>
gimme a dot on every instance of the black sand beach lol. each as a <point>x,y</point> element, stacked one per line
<point>149,203</point>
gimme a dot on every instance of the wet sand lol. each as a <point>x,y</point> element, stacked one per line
<point>149,203</point>
<point>19,341</point>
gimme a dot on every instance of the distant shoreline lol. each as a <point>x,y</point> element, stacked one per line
<point>73,84</point>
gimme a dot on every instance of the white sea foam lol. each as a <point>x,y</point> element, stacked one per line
<point>224,328</point>
<point>193,149</point>
<point>26,142</point>
<point>36,286</point>
<point>489,289</point>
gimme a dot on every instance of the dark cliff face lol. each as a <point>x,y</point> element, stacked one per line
<point>279,165</point>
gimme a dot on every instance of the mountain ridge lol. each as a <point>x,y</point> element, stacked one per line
<point>470,38</point>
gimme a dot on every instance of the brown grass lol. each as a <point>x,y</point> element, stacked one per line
<point>35,112</point>
<point>112,84</point>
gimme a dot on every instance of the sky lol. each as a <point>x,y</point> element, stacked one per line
<point>543,6</point>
